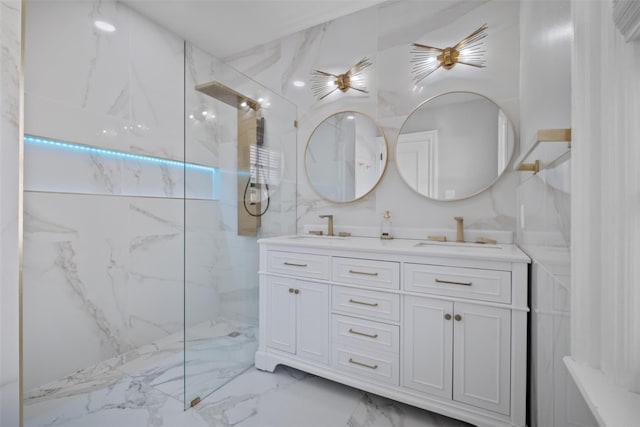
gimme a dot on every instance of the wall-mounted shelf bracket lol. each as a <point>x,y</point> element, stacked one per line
<point>549,148</point>
<point>530,167</point>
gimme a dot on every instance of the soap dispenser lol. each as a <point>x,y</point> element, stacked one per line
<point>385,226</point>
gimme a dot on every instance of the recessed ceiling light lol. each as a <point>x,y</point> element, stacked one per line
<point>299,83</point>
<point>105,26</point>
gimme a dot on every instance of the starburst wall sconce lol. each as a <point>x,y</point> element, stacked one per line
<point>324,84</point>
<point>469,51</point>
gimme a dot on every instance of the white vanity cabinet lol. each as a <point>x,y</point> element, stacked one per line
<point>298,310</point>
<point>468,349</point>
<point>441,327</point>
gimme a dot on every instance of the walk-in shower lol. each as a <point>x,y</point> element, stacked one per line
<point>144,198</point>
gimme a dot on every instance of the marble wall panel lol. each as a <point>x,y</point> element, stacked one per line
<point>10,116</point>
<point>121,90</point>
<point>385,33</point>
<point>75,283</point>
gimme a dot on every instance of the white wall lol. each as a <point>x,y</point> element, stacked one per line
<point>10,112</point>
<point>384,34</point>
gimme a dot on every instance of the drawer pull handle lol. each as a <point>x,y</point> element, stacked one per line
<point>295,265</point>
<point>351,331</point>
<point>363,303</point>
<point>355,362</point>
<point>454,283</point>
<point>362,272</point>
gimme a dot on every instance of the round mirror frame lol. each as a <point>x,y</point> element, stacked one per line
<point>488,186</point>
<point>374,185</point>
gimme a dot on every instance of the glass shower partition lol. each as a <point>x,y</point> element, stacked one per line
<point>240,185</point>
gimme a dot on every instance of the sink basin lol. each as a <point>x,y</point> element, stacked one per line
<point>314,237</point>
<point>458,245</point>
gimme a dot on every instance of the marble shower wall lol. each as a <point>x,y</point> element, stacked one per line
<point>110,242</point>
<point>384,33</point>
<point>104,236</point>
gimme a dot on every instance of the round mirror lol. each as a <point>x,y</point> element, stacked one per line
<point>346,156</point>
<point>454,146</point>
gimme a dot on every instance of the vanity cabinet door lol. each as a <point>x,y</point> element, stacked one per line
<point>298,318</point>
<point>281,314</point>
<point>427,345</point>
<point>312,321</point>
<point>482,356</point>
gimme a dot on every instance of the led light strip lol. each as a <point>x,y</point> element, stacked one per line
<point>122,154</point>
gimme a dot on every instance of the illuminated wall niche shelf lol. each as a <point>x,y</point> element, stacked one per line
<point>549,148</point>
<point>61,166</point>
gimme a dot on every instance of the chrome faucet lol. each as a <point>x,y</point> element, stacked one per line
<point>459,229</point>
<point>330,225</point>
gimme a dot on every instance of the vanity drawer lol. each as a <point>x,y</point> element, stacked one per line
<point>379,274</point>
<point>471,283</point>
<point>363,302</point>
<point>365,334</point>
<point>296,264</point>
<point>379,367</point>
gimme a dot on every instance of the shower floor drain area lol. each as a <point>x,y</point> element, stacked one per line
<point>233,334</point>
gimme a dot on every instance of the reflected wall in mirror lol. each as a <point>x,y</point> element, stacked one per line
<point>346,156</point>
<point>454,146</point>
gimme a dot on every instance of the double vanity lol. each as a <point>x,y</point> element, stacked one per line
<point>441,326</point>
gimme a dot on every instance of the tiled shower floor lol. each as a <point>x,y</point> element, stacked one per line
<point>144,388</point>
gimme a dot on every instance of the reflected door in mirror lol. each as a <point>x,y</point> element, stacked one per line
<point>454,146</point>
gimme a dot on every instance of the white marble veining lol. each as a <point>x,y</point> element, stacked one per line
<point>385,33</point>
<point>10,113</point>
<point>131,390</point>
<point>115,256</point>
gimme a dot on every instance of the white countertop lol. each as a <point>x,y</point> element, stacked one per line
<point>499,252</point>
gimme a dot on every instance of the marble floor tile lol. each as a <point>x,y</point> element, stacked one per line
<point>127,402</point>
<point>144,388</point>
<point>377,411</point>
<point>285,398</point>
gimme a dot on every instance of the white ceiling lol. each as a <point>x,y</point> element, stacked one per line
<point>226,27</point>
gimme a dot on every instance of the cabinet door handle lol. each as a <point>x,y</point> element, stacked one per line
<point>454,283</point>
<point>355,362</point>
<point>362,272</point>
<point>296,291</point>
<point>447,316</point>
<point>290,290</point>
<point>351,331</point>
<point>291,264</point>
<point>457,317</point>
<point>363,303</point>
